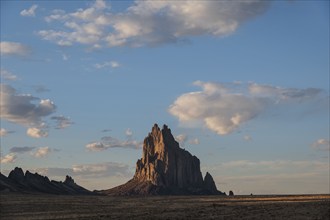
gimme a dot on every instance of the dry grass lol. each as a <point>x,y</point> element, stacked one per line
<point>30,207</point>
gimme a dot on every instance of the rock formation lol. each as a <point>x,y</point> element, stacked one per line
<point>165,168</point>
<point>19,182</point>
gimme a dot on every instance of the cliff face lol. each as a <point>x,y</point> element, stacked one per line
<point>165,168</point>
<point>164,163</point>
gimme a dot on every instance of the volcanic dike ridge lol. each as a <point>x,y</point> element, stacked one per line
<point>166,169</point>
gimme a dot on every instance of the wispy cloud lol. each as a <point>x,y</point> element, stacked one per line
<point>247,138</point>
<point>7,75</point>
<point>112,64</point>
<point>101,170</point>
<point>194,141</point>
<point>321,144</point>
<point>21,149</point>
<point>108,142</point>
<point>181,138</point>
<point>62,121</point>
<point>29,12</point>
<point>139,25</point>
<point>4,132</point>
<point>14,48</point>
<point>224,108</point>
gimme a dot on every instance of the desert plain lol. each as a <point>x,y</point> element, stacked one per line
<point>28,207</point>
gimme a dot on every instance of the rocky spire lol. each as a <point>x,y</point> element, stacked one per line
<point>166,167</point>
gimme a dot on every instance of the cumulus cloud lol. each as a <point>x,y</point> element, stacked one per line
<point>24,109</point>
<point>151,23</point>
<point>112,64</point>
<point>111,142</point>
<point>36,132</point>
<point>9,158</point>
<point>29,12</point>
<point>7,75</point>
<point>13,48</point>
<point>101,170</point>
<point>321,144</point>
<point>42,152</point>
<point>224,108</point>
<point>29,111</point>
<point>62,121</point>
<point>21,149</point>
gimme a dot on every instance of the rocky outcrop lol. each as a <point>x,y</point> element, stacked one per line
<point>209,183</point>
<point>19,182</point>
<point>165,168</point>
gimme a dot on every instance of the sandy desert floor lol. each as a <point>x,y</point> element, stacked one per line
<point>27,207</point>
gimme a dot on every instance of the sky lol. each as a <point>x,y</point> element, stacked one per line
<point>243,85</point>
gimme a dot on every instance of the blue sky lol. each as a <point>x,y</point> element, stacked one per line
<point>243,85</point>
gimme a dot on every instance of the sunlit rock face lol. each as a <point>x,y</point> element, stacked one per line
<point>164,163</point>
<point>165,168</point>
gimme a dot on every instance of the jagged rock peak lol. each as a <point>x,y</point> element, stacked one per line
<point>68,180</point>
<point>209,183</point>
<point>16,174</point>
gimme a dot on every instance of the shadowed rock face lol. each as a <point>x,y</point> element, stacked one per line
<point>165,168</point>
<point>17,181</point>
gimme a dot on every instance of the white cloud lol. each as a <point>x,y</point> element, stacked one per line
<point>96,146</point>
<point>29,12</point>
<point>24,109</point>
<point>42,152</point>
<point>9,158</point>
<point>5,74</point>
<point>223,108</point>
<point>13,48</point>
<point>36,132</point>
<point>140,24</point>
<point>112,64</point>
<point>321,144</point>
<point>111,142</point>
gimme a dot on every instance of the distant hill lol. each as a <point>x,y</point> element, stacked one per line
<point>166,169</point>
<point>19,182</point>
